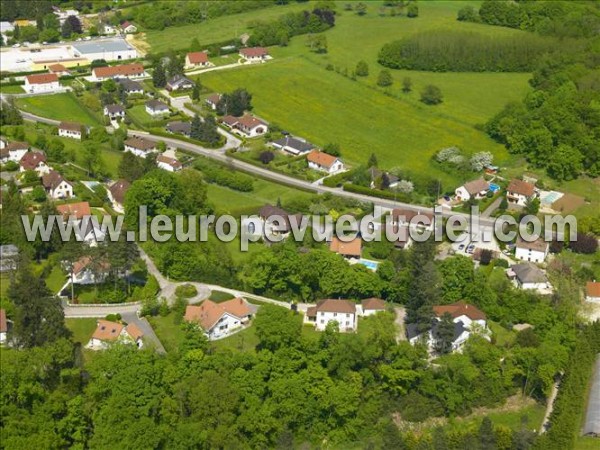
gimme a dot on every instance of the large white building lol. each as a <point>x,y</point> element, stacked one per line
<point>106,49</point>
<point>341,311</point>
<point>41,82</point>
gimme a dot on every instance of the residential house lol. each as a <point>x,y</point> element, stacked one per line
<point>213,100</point>
<point>116,194</point>
<point>108,333</point>
<point>34,161</point>
<point>77,210</point>
<point>107,28</point>
<point>254,54</point>
<point>414,218</point>
<point>519,192</point>
<point>350,250</point>
<point>378,179</point>
<point>179,83</point>
<point>134,70</point>
<point>468,320</point>
<point>3,327</point>
<point>476,189</point>
<point>324,162</point>
<point>194,60</point>
<point>9,254</point>
<point>246,125</point>
<point>139,146</point>
<point>85,273</point>
<point>114,111</point>
<point>528,276</point>
<point>220,319</point>
<point>59,70</point>
<point>14,151</point>
<point>131,86</point>
<point>128,27</point>
<point>169,164</point>
<point>63,14</point>
<point>41,82</point>
<point>343,312</point>
<point>56,186</point>
<point>156,108</point>
<point>592,292</point>
<point>293,145</point>
<point>535,251</point>
<point>277,221</point>
<point>71,130</point>
<point>90,231</point>
<point>371,306</point>
<point>179,127</point>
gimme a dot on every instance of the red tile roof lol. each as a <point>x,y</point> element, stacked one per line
<point>79,210</point>
<point>321,158</point>
<point>197,57</point>
<point>337,306</point>
<point>460,309</point>
<point>57,68</point>
<point>254,52</point>
<point>42,78</point>
<point>521,187</point>
<point>352,248</point>
<point>476,186</point>
<point>170,161</point>
<point>118,190</point>
<point>71,126</point>
<point>592,289</point>
<point>31,160</point>
<point>124,69</point>
<point>107,330</point>
<point>208,312</point>
<point>373,303</point>
<point>3,321</point>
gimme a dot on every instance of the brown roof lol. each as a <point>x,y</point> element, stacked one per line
<point>17,146</point>
<point>538,245</point>
<point>229,120</point>
<point>476,186</point>
<point>42,78</point>
<point>71,126</point>
<point>208,312</point>
<point>460,309</point>
<point>124,69</point>
<point>521,187</point>
<point>409,214</point>
<point>3,322</point>
<point>197,57</point>
<point>352,248</point>
<point>31,160</point>
<point>156,105</point>
<point>52,179</point>
<point>170,161</point>
<point>254,52</point>
<point>249,121</point>
<point>57,68</point>
<point>79,210</point>
<point>213,98</point>
<point>134,331</point>
<point>337,306</point>
<point>107,330</point>
<point>140,143</point>
<point>118,190</point>
<point>373,303</point>
<point>311,311</point>
<point>85,261</point>
<point>321,158</point>
<point>592,289</point>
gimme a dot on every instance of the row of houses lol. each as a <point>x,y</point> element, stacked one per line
<point>199,60</point>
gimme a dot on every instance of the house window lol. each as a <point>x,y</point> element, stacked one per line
<point>347,323</point>
<point>334,314</point>
<point>347,315</point>
<point>322,321</point>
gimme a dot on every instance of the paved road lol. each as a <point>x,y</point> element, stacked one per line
<point>144,325</point>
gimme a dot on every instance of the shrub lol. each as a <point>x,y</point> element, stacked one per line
<point>584,243</point>
<point>186,291</point>
<point>234,180</point>
<point>431,95</point>
<point>113,317</point>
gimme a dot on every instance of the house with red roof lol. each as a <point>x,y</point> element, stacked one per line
<point>56,186</point>
<point>519,192</point>
<point>218,320</point>
<point>254,54</point>
<point>196,60</point>
<point>34,161</point>
<point>324,162</point>
<point>128,27</point>
<point>109,333</point>
<point>592,292</point>
<point>4,322</point>
<point>169,164</point>
<point>41,82</point>
<point>59,70</point>
<point>247,125</point>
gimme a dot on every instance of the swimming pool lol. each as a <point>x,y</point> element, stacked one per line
<point>371,265</point>
<point>550,197</point>
<point>494,187</point>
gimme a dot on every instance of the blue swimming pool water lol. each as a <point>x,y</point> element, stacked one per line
<point>369,264</point>
<point>494,187</point>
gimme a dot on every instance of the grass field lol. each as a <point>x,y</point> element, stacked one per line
<point>586,443</point>
<point>14,89</point>
<point>82,329</point>
<point>58,107</point>
<point>169,333</point>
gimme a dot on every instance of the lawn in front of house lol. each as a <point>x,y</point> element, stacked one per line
<point>59,107</point>
<point>169,333</point>
<point>244,341</point>
<point>82,329</point>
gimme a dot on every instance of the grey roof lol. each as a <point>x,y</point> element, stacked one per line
<point>157,105</point>
<point>412,330</point>
<point>114,109</point>
<point>130,85</point>
<point>8,254</point>
<point>99,46</point>
<point>374,172</point>
<point>297,144</point>
<point>529,273</point>
<point>179,79</point>
<point>591,425</point>
<point>179,127</point>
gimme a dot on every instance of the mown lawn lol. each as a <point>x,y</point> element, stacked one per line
<point>244,341</point>
<point>13,89</point>
<point>58,107</point>
<point>586,443</point>
<point>82,329</point>
<point>168,332</point>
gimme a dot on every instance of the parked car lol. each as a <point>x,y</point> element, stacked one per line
<point>461,246</point>
<point>470,248</point>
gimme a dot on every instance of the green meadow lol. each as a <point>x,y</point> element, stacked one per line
<point>59,107</point>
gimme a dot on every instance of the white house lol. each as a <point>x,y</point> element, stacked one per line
<point>254,54</point>
<point>131,86</point>
<point>122,71</point>
<point>535,251</point>
<point>213,100</point>
<point>349,250</point>
<point>247,125</point>
<point>293,145</point>
<point>168,163</point>
<point>107,28</point>
<point>195,60</point>
<point>220,319</point>
<point>528,276</point>
<point>139,146</point>
<point>519,192</point>
<point>83,273</point>
<point>128,27</point>
<point>56,186</point>
<point>34,161</point>
<point>114,111</point>
<point>41,82</point>
<point>111,49</point>
<point>156,108</point>
<point>178,83</point>
<point>277,221</point>
<point>476,189</point>
<point>3,326</point>
<point>414,218</point>
<point>371,306</point>
<point>324,162</point>
<point>108,333</point>
<point>14,151</point>
<point>592,292</point>
<point>116,194</point>
<point>71,130</point>
<point>341,311</point>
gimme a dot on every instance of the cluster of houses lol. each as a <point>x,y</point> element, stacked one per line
<point>518,192</point>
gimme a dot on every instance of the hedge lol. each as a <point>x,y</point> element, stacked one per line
<point>160,132</point>
<point>223,177</point>
<point>400,196</point>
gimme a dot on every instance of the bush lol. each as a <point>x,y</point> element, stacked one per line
<point>113,317</point>
<point>10,166</point>
<point>501,263</point>
<point>431,95</point>
<point>186,291</point>
<point>223,177</point>
<point>584,243</point>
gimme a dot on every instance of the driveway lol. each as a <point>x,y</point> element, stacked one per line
<point>149,334</point>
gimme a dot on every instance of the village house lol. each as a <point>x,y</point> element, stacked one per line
<point>134,70</point>
<point>535,251</point>
<point>378,177</point>
<point>592,292</point>
<point>416,219</point>
<point>371,306</point>
<point>63,14</point>
<point>254,54</point>
<point>195,60</point>
<point>84,273</point>
<point>179,127</point>
<point>131,86</point>
<point>59,70</point>
<point>246,125</point>
<point>107,28</point>
<point>218,320</point>
<point>213,100</point>
<point>116,194</point>
<point>476,189</point>
<point>3,327</point>
<point>139,146</point>
<point>71,130</point>
<point>293,145</point>
<point>91,231</point>
<point>468,320</point>
<point>14,151</point>
<point>9,254</point>
<point>56,186</point>
<point>34,161</point>
<point>77,210</point>
<point>128,27</point>
<point>349,250</point>
<point>179,83</point>
<point>169,164</point>
<point>519,192</point>
<point>324,162</point>
<point>269,215</point>
<point>156,108</point>
<point>114,111</point>
<point>528,276</point>
<point>108,333</point>
<point>42,82</point>
<point>341,311</point>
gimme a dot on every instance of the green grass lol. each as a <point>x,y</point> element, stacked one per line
<point>13,89</point>
<point>58,107</point>
<point>82,329</point>
<point>56,279</point>
<point>586,443</point>
<point>169,333</point>
<point>220,296</point>
<point>503,336</point>
<point>244,341</point>
<point>138,114</point>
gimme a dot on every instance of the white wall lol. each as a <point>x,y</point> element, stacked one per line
<point>346,321</point>
<point>530,255</point>
<point>44,87</point>
<point>63,190</point>
<point>224,326</point>
<point>70,134</point>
